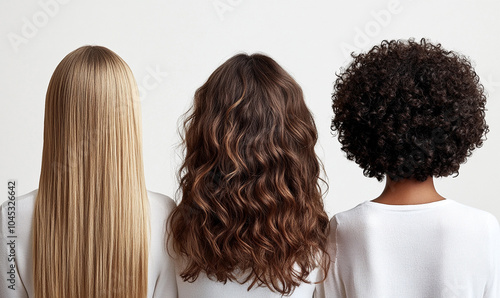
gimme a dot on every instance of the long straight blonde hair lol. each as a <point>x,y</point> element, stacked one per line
<point>91,218</point>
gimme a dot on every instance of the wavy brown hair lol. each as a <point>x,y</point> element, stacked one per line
<point>251,208</point>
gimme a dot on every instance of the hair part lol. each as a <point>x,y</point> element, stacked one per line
<point>251,208</point>
<point>91,217</point>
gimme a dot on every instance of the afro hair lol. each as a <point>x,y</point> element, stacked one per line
<point>409,110</point>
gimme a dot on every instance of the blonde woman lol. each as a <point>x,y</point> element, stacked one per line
<point>91,229</point>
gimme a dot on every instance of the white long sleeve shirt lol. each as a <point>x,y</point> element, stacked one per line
<point>204,287</point>
<point>440,249</point>
<point>161,269</point>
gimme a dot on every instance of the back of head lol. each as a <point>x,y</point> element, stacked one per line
<point>251,208</point>
<point>91,212</point>
<point>409,110</point>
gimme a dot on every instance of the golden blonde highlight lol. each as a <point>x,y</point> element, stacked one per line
<point>91,218</point>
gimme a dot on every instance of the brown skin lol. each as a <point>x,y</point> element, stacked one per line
<point>409,192</point>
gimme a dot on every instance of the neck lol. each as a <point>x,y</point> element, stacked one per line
<point>409,192</point>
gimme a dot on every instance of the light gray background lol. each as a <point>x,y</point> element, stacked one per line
<point>173,46</point>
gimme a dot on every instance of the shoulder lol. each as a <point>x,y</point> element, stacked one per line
<point>22,205</point>
<point>346,223</point>
<point>161,202</point>
<point>352,216</point>
<point>160,208</point>
<point>16,217</point>
<point>28,198</point>
<point>472,216</point>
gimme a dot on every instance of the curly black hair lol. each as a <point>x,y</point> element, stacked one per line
<point>409,110</point>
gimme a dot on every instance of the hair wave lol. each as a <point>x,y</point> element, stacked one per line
<point>251,208</point>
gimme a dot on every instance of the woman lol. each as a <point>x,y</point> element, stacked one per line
<point>91,229</point>
<point>410,111</point>
<point>251,221</point>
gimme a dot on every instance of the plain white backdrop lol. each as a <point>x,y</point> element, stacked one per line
<point>173,46</point>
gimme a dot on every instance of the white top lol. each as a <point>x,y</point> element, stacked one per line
<point>439,249</point>
<point>204,287</point>
<point>161,272</point>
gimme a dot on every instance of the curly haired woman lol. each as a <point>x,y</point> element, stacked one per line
<point>251,221</point>
<point>410,111</point>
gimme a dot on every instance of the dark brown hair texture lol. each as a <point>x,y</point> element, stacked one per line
<point>409,110</point>
<point>251,208</point>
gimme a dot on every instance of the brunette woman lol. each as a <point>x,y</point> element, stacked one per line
<point>251,221</point>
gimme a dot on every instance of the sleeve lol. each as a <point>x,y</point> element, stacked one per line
<point>332,286</point>
<point>166,285</point>
<point>10,281</point>
<point>319,291</point>
<point>493,286</point>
